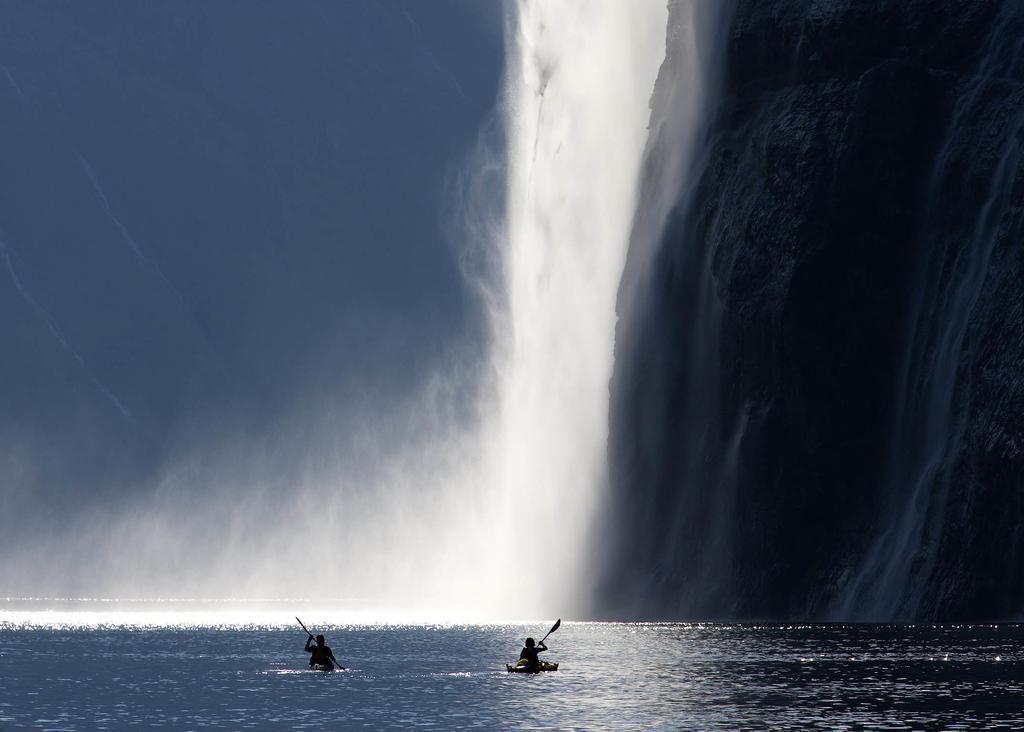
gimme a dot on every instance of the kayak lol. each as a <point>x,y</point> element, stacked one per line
<point>326,668</point>
<point>524,667</point>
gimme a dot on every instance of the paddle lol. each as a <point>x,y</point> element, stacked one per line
<point>553,629</point>
<point>336,662</point>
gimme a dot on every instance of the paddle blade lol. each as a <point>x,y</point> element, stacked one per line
<point>553,629</point>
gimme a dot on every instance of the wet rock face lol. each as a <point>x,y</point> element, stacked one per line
<point>818,387</point>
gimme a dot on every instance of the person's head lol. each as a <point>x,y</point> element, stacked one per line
<point>319,640</point>
<point>530,642</point>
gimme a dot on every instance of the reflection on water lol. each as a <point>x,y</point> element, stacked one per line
<point>619,676</point>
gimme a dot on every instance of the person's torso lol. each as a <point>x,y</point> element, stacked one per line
<point>321,655</point>
<point>529,654</point>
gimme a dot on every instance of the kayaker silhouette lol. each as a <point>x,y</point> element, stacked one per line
<point>529,654</point>
<point>320,655</point>
<point>528,660</point>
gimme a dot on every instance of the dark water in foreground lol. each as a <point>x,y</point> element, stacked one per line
<point>612,676</point>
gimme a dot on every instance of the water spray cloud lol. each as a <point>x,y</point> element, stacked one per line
<point>478,517</point>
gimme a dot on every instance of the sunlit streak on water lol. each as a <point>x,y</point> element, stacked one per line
<point>238,614</point>
<point>451,676</point>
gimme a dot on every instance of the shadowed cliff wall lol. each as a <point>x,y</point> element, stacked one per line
<point>816,407</point>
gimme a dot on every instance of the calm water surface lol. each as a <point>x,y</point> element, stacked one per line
<point>612,676</point>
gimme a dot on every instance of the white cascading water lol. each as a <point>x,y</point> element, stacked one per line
<point>481,523</point>
<point>496,526</point>
<point>577,90</point>
<point>579,82</point>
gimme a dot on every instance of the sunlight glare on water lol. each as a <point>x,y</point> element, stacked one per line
<point>79,674</point>
<point>26,612</point>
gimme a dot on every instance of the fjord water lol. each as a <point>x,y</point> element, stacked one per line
<point>105,675</point>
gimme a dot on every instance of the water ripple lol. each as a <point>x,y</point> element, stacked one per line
<point>612,676</point>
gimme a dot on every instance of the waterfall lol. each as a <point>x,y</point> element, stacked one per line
<point>476,500</point>
<point>499,527</point>
<point>579,83</point>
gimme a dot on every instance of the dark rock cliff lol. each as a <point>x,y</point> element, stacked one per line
<point>819,382</point>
